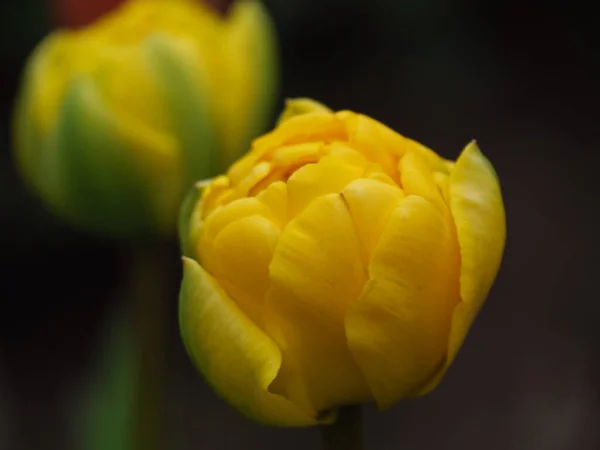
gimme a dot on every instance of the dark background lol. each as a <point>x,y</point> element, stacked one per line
<point>521,78</point>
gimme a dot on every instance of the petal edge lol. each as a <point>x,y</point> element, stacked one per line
<point>478,211</point>
<point>236,357</point>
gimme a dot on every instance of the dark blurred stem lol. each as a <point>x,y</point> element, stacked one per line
<point>150,292</point>
<point>347,431</point>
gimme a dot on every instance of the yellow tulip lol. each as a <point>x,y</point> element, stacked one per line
<point>336,263</point>
<point>114,122</point>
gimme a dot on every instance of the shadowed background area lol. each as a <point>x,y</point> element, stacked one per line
<point>520,78</point>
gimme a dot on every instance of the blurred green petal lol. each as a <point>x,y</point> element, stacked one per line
<point>181,73</point>
<point>252,39</point>
<point>36,162</point>
<point>99,179</point>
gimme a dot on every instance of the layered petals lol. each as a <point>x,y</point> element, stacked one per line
<point>235,356</point>
<point>153,96</point>
<point>362,256</point>
<point>398,328</point>
<point>478,212</point>
<point>309,296</point>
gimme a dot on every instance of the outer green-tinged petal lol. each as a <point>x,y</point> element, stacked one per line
<point>187,222</point>
<point>100,181</point>
<point>397,330</point>
<point>35,160</point>
<point>237,358</point>
<point>179,69</point>
<point>478,210</point>
<point>298,106</point>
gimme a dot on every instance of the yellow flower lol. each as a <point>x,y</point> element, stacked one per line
<point>337,263</point>
<point>116,121</point>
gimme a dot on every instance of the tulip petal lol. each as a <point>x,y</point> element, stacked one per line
<point>244,249</point>
<point>214,193</point>
<point>236,357</point>
<point>383,145</point>
<point>187,221</point>
<point>299,154</point>
<point>443,182</point>
<point>275,197</point>
<point>251,72</point>
<point>329,175</point>
<point>127,78</point>
<point>298,106</point>
<point>478,211</point>
<point>418,179</point>
<point>226,214</point>
<point>374,140</point>
<point>316,271</point>
<point>300,129</point>
<point>48,76</point>
<point>286,161</point>
<point>35,160</point>
<point>217,221</point>
<point>349,155</point>
<point>109,189</point>
<point>370,203</point>
<point>397,330</point>
<point>179,69</point>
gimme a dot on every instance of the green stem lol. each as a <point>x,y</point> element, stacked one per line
<point>148,322</point>
<point>346,433</point>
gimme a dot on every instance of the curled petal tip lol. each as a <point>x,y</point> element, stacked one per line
<point>301,105</point>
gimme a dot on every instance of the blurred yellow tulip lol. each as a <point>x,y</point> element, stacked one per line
<point>337,263</point>
<point>115,121</point>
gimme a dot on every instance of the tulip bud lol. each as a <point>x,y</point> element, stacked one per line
<point>336,263</point>
<point>115,121</point>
